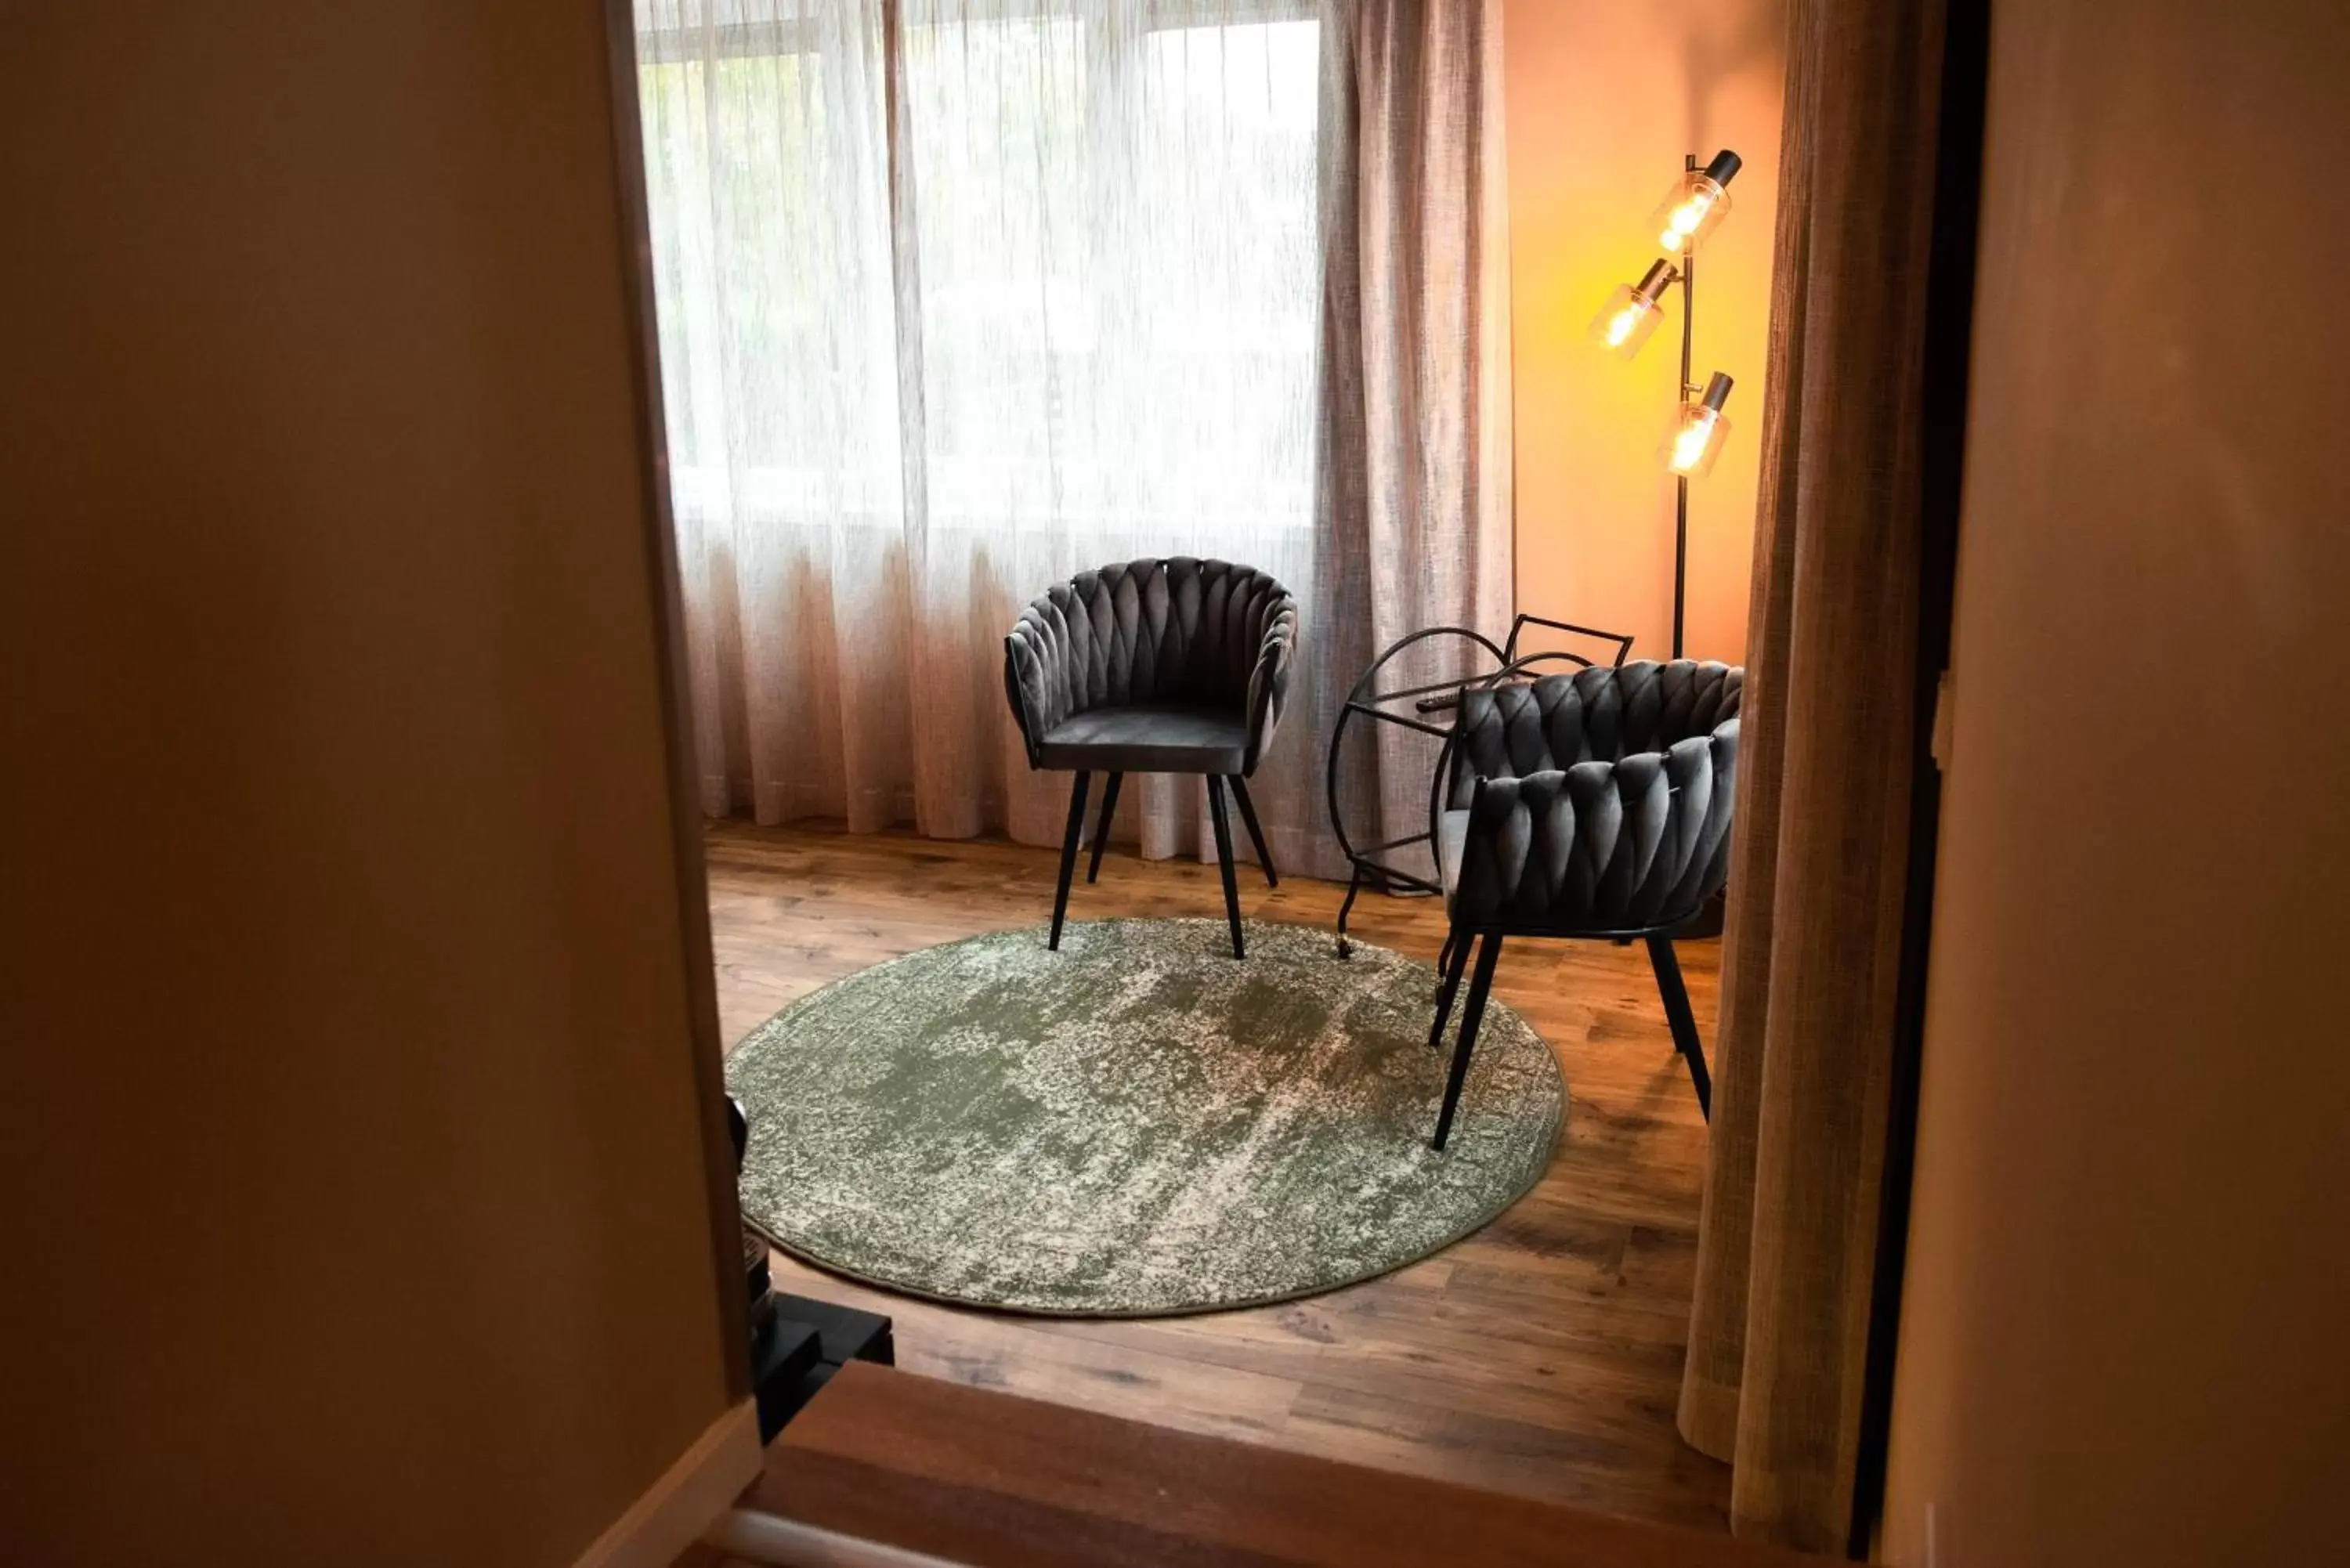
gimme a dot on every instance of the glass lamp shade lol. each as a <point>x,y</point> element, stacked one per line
<point>1690,211</point>
<point>1696,205</point>
<point>1696,441</point>
<point>1631,313</point>
<point>1627,320</point>
<point>1699,432</point>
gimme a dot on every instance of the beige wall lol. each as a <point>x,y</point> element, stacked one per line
<point>350,1166</point>
<point>2123,1339</point>
<point>1603,99</point>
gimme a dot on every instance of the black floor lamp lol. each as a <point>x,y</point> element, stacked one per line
<point>1690,211</point>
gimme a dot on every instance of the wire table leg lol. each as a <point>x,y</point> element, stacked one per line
<point>1354,886</point>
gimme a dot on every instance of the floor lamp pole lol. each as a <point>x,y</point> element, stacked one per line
<point>1688,390</point>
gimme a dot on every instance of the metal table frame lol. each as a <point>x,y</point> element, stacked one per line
<point>1440,697</point>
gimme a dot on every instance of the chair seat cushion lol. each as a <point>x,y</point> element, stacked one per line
<point>1149,738</point>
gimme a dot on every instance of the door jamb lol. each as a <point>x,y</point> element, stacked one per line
<point>676,704</point>
<point>1948,333</point>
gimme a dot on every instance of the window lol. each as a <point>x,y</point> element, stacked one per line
<point>1075,286</point>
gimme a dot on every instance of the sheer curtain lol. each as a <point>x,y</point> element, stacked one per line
<point>958,297</point>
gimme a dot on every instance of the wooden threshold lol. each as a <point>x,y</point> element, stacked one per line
<point>973,1475</point>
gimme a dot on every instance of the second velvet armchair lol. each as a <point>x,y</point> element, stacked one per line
<point>1175,666</point>
<point>1591,804</point>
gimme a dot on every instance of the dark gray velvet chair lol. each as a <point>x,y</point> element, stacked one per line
<point>1595,803</point>
<point>1153,666</point>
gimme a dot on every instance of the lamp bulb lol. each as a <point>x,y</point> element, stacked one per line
<point>1684,221</point>
<point>1688,446</point>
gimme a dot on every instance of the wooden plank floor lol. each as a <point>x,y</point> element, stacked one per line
<point>1540,1356</point>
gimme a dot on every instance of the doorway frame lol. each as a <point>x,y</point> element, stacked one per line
<point>722,1200</point>
<point>1942,429</point>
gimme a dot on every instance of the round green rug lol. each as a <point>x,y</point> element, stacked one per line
<point>1134,1126</point>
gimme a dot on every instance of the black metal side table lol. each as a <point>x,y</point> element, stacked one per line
<point>1428,710</point>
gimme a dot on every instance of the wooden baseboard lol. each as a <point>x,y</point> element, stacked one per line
<point>699,1489</point>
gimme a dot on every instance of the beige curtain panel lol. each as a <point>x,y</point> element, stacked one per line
<point>1787,1244</point>
<point>957,298</point>
<point>1415,523</point>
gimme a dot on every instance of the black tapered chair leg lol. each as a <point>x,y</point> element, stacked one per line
<point>1354,886</point>
<point>1101,829</point>
<point>1069,842</point>
<point>1449,965</point>
<point>1472,1013</point>
<point>1224,860</point>
<point>1256,834</point>
<point>1668,965</point>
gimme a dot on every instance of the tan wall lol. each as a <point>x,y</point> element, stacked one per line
<point>348,1151</point>
<point>1603,99</point>
<point>2124,1340</point>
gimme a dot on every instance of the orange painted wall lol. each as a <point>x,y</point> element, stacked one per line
<point>1603,101</point>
